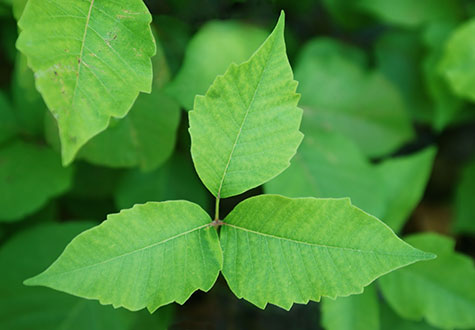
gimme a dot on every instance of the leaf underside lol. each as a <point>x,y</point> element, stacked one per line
<point>147,256</point>
<point>283,251</point>
<point>246,129</point>
<point>91,59</point>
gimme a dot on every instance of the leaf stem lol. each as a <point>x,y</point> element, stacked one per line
<point>216,209</point>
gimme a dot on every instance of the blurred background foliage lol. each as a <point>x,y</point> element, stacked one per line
<point>388,92</point>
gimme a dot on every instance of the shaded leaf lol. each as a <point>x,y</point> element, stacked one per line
<point>8,125</point>
<point>91,59</point>
<point>248,122</point>
<point>328,164</point>
<point>442,291</point>
<point>169,252</point>
<point>464,205</point>
<point>30,175</point>
<point>145,137</point>
<point>282,251</point>
<point>404,180</point>
<point>457,63</point>
<point>361,104</point>
<point>176,179</point>
<point>408,13</point>
<point>391,321</point>
<point>209,53</point>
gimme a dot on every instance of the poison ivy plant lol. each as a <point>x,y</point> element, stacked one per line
<point>209,53</point>
<point>464,206</point>
<point>361,104</point>
<point>442,291</point>
<point>357,312</point>
<point>457,63</point>
<point>25,188</point>
<point>91,66</point>
<point>270,248</point>
<point>26,254</point>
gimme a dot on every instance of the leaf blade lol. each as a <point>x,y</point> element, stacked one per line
<point>167,254</point>
<point>87,73</point>
<point>257,92</point>
<point>277,229</point>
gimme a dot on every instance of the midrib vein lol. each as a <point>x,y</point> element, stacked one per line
<point>244,119</point>
<point>316,245</point>
<point>81,53</point>
<point>134,251</point>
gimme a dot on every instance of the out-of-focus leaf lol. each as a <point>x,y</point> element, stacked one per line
<point>245,130</point>
<point>398,55</point>
<point>91,60</point>
<point>8,125</point>
<point>328,164</point>
<point>170,251</point>
<point>95,182</point>
<point>404,180</point>
<point>447,105</point>
<point>357,312</point>
<point>410,13</point>
<point>343,95</point>
<point>27,308</point>
<point>442,291</point>
<point>391,321</point>
<point>176,179</point>
<point>209,53</point>
<point>282,251</point>
<point>29,176</point>
<point>29,106</point>
<point>18,6</point>
<point>465,201</point>
<point>457,64</point>
<point>345,12</point>
<point>145,137</point>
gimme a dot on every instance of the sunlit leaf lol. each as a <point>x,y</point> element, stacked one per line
<point>246,129</point>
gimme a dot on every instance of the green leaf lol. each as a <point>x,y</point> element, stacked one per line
<point>404,179</point>
<point>216,45</point>
<point>391,321</point>
<point>176,179</point>
<point>145,137</point>
<point>29,106</point>
<point>464,205</point>
<point>399,54</point>
<point>91,59</point>
<point>457,63</point>
<point>447,105</point>
<point>30,175</point>
<point>330,165</point>
<point>28,253</point>
<point>18,6</point>
<point>361,104</point>
<point>282,251</point>
<point>169,252</point>
<point>442,290</point>
<point>357,312</point>
<point>409,13</point>
<point>8,126</point>
<point>246,129</point>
